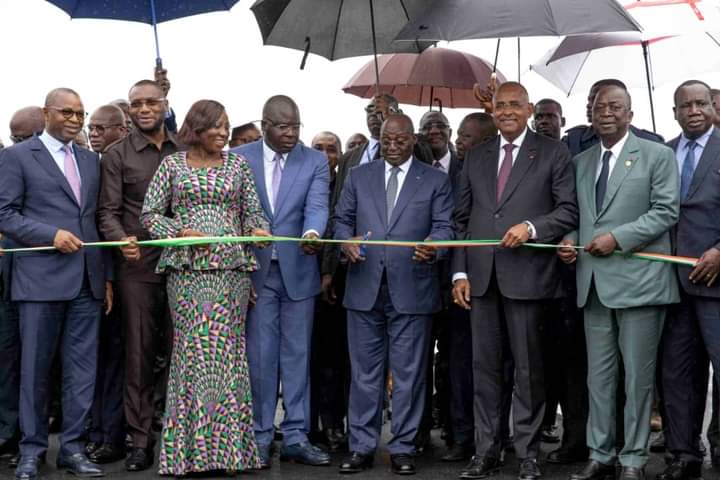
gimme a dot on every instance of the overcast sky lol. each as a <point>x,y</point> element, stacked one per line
<point>220,56</point>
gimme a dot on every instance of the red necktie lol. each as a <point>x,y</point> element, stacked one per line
<point>504,172</point>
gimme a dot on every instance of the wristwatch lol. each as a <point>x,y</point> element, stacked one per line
<point>530,228</point>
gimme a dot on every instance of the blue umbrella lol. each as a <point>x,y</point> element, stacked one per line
<point>145,11</point>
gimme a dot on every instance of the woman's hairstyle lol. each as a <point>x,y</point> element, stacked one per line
<point>202,116</point>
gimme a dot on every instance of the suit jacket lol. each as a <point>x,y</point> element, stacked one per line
<point>540,189</point>
<point>423,209</point>
<point>36,201</point>
<point>302,205</point>
<point>581,137</point>
<point>640,207</point>
<point>698,229</point>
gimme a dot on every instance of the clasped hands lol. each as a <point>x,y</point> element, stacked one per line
<point>422,253</point>
<point>600,246</point>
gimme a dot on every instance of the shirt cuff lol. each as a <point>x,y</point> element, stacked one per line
<point>531,229</point>
<point>459,276</point>
<point>312,230</point>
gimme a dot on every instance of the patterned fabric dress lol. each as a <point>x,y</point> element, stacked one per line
<point>208,417</point>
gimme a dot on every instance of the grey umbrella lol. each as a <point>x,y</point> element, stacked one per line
<point>468,19</point>
<point>338,28</point>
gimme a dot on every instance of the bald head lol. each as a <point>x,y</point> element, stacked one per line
<point>514,87</point>
<point>281,123</point>
<point>52,98</point>
<point>107,126</point>
<point>26,122</point>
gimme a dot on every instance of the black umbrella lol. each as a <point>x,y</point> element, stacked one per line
<point>338,28</point>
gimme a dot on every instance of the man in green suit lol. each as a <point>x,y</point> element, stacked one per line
<point>628,196</point>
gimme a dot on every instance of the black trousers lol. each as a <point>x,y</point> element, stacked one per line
<point>498,321</point>
<point>9,372</point>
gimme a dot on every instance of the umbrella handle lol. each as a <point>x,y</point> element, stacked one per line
<point>439,103</point>
<point>305,53</point>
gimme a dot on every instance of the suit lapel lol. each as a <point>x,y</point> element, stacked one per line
<point>492,155</point>
<point>586,177</point>
<point>83,162</point>
<point>623,165</point>
<point>257,163</point>
<point>46,161</point>
<point>376,177</point>
<point>525,157</point>
<point>293,164</point>
<point>708,157</point>
<point>412,181</point>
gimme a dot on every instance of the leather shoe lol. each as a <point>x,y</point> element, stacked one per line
<point>27,468</point>
<point>549,434</point>
<point>658,445</point>
<point>632,473</point>
<point>139,459</point>
<point>107,453</point>
<point>715,457</point>
<point>681,470</point>
<point>529,470</point>
<point>14,460</point>
<point>594,470</point>
<point>304,453</point>
<point>564,456</point>
<point>402,464</point>
<point>90,447</point>
<point>336,440</point>
<point>265,456</point>
<point>356,463</point>
<point>79,465</point>
<point>481,467</point>
<point>459,452</point>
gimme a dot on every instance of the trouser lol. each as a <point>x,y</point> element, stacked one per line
<point>9,372</point>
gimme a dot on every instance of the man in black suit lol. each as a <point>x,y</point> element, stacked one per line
<point>517,187</point>
<point>692,333</point>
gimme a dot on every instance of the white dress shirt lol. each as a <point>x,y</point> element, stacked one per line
<point>444,162</point>
<point>615,151</point>
<point>57,151</point>
<point>369,154</point>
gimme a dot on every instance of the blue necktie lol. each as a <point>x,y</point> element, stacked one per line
<point>601,185</point>
<point>688,169</point>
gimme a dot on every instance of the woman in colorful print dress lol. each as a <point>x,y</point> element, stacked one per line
<point>206,191</point>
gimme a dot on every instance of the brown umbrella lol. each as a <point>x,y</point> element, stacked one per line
<point>437,75</point>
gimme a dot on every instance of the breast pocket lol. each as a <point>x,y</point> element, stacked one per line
<point>135,186</point>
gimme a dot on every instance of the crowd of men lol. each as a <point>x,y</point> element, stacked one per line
<point>483,342</point>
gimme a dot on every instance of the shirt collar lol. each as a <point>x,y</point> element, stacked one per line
<point>53,144</point>
<point>617,148</point>
<point>701,140</point>
<point>269,153</point>
<point>140,141</point>
<point>445,160</point>
<point>404,167</point>
<point>517,142</point>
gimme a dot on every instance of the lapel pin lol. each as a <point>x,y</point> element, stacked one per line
<point>628,163</point>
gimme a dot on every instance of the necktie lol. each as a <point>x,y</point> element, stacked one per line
<point>601,185</point>
<point>437,164</point>
<point>505,168</point>
<point>71,173</point>
<point>391,191</point>
<point>688,169</point>
<point>376,151</point>
<point>276,177</point>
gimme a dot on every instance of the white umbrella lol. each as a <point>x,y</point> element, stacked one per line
<point>639,60</point>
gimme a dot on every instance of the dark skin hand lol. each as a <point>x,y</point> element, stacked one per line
<point>424,253</point>
<point>485,95</point>
<point>602,245</point>
<point>328,291</point>
<point>567,255</point>
<point>108,297</point>
<point>131,252</point>
<point>309,246</point>
<point>352,251</point>
<point>707,268</point>
<point>461,293</point>
<point>516,236</point>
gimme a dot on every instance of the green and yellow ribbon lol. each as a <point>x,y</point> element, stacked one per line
<point>194,241</point>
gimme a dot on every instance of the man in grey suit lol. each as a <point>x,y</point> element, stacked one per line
<point>516,187</point>
<point>692,331</point>
<point>627,190</point>
<point>391,292</point>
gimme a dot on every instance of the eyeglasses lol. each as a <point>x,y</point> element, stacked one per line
<point>284,127</point>
<point>439,125</point>
<point>101,128</point>
<point>150,103</point>
<point>68,113</point>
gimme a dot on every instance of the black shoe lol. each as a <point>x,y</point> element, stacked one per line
<point>562,456</point>
<point>107,453</point>
<point>594,470</point>
<point>459,452</point>
<point>14,460</point>
<point>402,464</point>
<point>715,457</point>
<point>681,470</point>
<point>481,467</point>
<point>139,459</point>
<point>90,447</point>
<point>356,463</point>
<point>529,470</point>
<point>632,473</point>
<point>27,468</point>
<point>305,453</point>
<point>8,449</point>
<point>658,445</point>
<point>79,465</point>
<point>549,434</point>
<point>336,440</point>
<point>422,441</point>
<point>265,456</point>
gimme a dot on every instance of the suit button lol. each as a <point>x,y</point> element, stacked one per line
<point>497,215</point>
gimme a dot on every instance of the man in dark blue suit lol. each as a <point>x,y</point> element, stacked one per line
<point>692,332</point>
<point>292,182</point>
<point>48,196</point>
<point>392,292</point>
